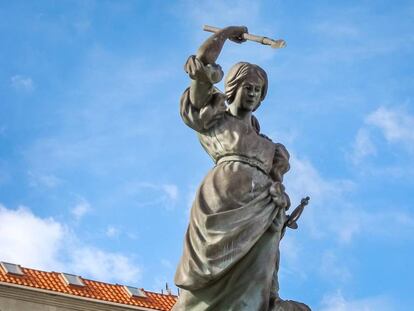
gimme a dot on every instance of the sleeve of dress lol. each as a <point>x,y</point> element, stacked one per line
<point>203,119</point>
<point>204,115</point>
<point>280,162</point>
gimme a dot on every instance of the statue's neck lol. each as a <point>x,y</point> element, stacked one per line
<point>244,115</point>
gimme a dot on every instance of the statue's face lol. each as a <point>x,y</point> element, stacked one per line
<point>249,93</point>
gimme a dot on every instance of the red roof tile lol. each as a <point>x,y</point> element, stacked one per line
<point>93,289</point>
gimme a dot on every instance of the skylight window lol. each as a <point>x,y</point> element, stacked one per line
<point>135,292</point>
<point>72,279</point>
<point>11,268</point>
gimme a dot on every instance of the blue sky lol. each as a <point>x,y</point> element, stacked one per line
<point>97,170</point>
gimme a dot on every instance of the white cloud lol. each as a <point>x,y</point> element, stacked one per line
<point>395,124</point>
<point>349,221</point>
<point>88,135</point>
<point>363,146</point>
<point>292,259</point>
<point>22,83</point>
<point>165,277</point>
<point>404,219</point>
<point>80,209</point>
<point>331,214</point>
<point>348,226</point>
<point>241,13</point>
<point>189,200</point>
<point>103,265</point>
<point>383,126</point>
<point>44,180</point>
<point>221,13</point>
<point>128,78</point>
<point>304,180</point>
<point>337,302</point>
<point>160,284</point>
<point>333,268</point>
<point>383,223</point>
<point>30,240</point>
<point>150,193</point>
<point>167,263</point>
<point>46,244</point>
<point>112,231</point>
<point>171,191</point>
<point>335,29</point>
<point>344,35</point>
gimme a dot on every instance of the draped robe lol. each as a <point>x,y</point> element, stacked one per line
<point>231,247</point>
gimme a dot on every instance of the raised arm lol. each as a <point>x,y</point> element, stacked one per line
<point>202,68</point>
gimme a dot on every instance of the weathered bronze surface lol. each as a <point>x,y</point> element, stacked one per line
<point>230,259</point>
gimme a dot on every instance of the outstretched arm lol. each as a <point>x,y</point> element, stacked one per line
<point>202,68</point>
<point>211,48</point>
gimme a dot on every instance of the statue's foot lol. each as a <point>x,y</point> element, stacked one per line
<point>287,305</point>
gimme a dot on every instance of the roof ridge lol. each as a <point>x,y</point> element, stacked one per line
<point>96,281</point>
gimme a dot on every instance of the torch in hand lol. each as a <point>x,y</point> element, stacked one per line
<point>277,44</point>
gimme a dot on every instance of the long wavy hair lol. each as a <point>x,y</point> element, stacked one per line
<point>237,74</point>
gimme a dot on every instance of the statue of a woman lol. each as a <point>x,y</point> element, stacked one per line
<point>231,251</point>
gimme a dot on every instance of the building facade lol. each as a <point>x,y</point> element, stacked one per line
<point>24,289</point>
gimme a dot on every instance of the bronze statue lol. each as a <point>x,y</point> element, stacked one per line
<point>231,250</point>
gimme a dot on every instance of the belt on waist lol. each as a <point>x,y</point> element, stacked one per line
<point>244,159</point>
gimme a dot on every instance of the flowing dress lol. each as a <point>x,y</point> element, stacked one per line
<point>231,247</point>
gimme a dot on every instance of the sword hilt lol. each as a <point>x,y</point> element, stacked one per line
<point>291,222</point>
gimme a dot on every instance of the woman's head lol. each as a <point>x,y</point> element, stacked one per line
<point>239,74</point>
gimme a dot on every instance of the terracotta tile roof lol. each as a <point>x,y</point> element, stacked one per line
<point>105,292</point>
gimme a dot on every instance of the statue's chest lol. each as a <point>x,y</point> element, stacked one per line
<point>233,136</point>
